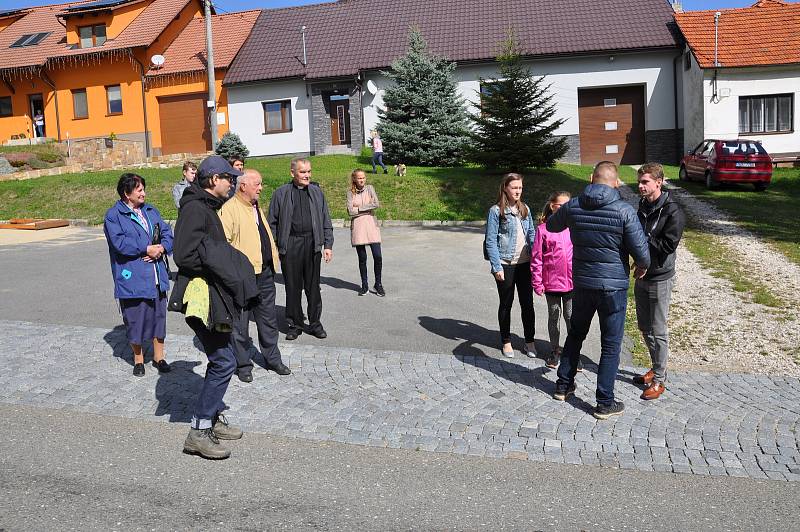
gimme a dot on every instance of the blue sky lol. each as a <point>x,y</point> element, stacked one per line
<point>240,5</point>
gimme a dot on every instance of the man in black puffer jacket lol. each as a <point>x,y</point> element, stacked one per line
<point>604,232</point>
<point>663,221</point>
<point>222,283</point>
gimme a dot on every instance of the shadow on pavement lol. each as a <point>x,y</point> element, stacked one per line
<point>333,282</point>
<point>117,339</point>
<point>472,334</point>
<point>177,391</point>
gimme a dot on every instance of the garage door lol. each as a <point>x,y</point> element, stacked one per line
<point>184,128</point>
<point>611,122</point>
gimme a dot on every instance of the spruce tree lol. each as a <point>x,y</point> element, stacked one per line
<point>424,121</point>
<point>514,125</point>
<point>231,145</point>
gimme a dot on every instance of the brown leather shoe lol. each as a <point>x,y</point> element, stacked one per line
<point>653,391</point>
<point>647,378</point>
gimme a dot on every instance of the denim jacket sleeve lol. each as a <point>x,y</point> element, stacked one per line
<point>531,236</point>
<point>492,229</point>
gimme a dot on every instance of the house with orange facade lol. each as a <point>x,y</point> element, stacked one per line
<point>85,70</point>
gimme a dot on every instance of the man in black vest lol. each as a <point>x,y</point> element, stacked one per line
<point>301,223</point>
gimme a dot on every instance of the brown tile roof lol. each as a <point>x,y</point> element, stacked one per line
<point>345,37</point>
<point>187,53</point>
<point>766,33</point>
<point>142,31</point>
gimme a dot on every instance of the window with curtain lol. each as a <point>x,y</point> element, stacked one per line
<point>277,116</point>
<point>114,98</point>
<point>766,114</point>
<point>80,105</point>
<point>91,36</point>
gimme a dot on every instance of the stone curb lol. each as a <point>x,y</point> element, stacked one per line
<point>339,223</point>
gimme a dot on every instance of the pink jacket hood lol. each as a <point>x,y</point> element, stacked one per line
<point>551,261</point>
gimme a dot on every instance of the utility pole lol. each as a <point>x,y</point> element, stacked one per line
<point>212,82</point>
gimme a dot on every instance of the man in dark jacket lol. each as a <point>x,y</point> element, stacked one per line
<point>214,282</point>
<point>301,223</point>
<point>662,220</point>
<point>604,232</point>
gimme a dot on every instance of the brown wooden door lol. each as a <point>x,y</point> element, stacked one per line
<point>340,121</point>
<point>611,122</point>
<point>184,126</point>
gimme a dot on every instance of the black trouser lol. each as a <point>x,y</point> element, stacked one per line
<point>266,323</point>
<point>300,266</point>
<point>377,261</point>
<point>518,275</point>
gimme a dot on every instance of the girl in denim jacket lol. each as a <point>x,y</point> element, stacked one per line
<point>509,238</point>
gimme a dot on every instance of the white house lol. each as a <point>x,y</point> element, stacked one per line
<point>741,75</point>
<point>308,79</point>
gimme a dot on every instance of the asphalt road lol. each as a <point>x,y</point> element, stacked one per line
<point>440,295</point>
<point>90,472</point>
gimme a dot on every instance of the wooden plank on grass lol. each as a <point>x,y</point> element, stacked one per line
<point>34,224</point>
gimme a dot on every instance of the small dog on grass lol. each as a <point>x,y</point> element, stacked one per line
<point>400,169</point>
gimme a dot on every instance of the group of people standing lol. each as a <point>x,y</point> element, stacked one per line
<point>579,258</point>
<point>228,252</point>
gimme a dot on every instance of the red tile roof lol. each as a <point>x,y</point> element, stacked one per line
<point>142,31</point>
<point>187,53</point>
<point>347,36</point>
<point>766,33</point>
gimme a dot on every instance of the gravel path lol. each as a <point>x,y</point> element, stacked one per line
<point>713,328</point>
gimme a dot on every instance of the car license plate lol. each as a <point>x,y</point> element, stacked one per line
<point>745,165</point>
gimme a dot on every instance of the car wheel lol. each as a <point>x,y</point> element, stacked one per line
<point>682,175</point>
<point>760,186</point>
<point>710,183</point>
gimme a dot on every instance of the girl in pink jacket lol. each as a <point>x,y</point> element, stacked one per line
<point>551,273</point>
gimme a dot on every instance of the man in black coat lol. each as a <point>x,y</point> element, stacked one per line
<point>301,223</point>
<point>214,283</point>
<point>662,220</point>
<point>604,231</point>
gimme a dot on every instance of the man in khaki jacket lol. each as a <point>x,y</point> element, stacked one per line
<point>247,230</point>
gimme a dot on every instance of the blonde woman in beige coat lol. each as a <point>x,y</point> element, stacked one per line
<point>361,204</point>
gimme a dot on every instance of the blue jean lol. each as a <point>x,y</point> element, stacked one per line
<point>377,157</point>
<point>221,365</point>
<point>610,306</point>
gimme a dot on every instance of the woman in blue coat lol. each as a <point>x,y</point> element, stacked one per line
<point>138,242</point>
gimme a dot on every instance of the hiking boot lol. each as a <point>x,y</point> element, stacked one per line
<point>204,443</point>
<point>563,393</point>
<point>616,408</point>
<point>224,430</point>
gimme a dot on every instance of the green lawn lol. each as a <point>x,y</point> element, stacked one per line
<point>423,194</point>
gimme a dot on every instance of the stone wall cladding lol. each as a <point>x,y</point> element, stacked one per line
<point>95,152</point>
<point>573,155</point>
<point>664,145</point>
<point>321,129</point>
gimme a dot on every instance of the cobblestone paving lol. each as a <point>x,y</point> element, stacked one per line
<point>736,425</point>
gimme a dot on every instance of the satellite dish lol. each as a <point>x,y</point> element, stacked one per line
<point>371,88</point>
<point>157,60</point>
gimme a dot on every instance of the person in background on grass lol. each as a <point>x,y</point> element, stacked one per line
<point>362,200</point>
<point>509,237</point>
<point>604,231</point>
<point>300,220</point>
<point>214,283</point>
<point>662,220</point>
<point>377,153</point>
<point>189,174</point>
<point>247,230</point>
<point>237,161</point>
<point>551,274</point>
<point>138,241</point>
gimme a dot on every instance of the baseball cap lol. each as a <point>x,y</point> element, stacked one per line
<point>216,164</point>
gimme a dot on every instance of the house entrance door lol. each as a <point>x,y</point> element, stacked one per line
<point>340,120</point>
<point>36,106</point>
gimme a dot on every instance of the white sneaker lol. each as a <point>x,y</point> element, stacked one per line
<point>530,350</point>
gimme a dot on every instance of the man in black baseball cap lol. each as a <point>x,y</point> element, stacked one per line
<point>215,281</point>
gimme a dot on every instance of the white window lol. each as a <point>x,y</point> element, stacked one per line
<point>277,116</point>
<point>612,148</point>
<point>609,102</point>
<point>611,126</point>
<point>766,114</point>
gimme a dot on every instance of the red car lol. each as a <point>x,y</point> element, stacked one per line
<point>728,161</point>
